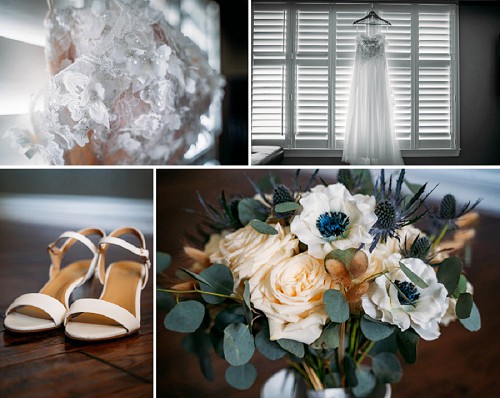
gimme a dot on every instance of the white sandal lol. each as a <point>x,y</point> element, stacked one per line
<point>117,312</point>
<point>45,310</point>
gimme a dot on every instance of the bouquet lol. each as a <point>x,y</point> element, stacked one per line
<point>336,277</point>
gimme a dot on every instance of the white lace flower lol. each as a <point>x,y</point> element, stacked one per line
<point>92,99</point>
<point>291,296</point>
<point>384,302</point>
<point>333,218</point>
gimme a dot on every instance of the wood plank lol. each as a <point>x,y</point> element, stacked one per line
<point>62,376</point>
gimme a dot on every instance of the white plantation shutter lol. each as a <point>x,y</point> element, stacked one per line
<point>269,73</point>
<point>435,77</point>
<point>308,52</point>
<point>311,122</point>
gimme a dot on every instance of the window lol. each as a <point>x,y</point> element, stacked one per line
<point>302,62</point>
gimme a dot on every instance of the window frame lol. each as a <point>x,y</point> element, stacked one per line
<point>333,147</point>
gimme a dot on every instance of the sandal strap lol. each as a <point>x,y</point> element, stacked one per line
<point>104,308</point>
<point>57,253</point>
<point>48,304</point>
<point>112,239</point>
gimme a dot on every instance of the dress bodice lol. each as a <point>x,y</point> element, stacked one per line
<point>369,47</point>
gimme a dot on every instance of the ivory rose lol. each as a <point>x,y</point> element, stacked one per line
<point>250,254</point>
<point>332,218</point>
<point>291,297</point>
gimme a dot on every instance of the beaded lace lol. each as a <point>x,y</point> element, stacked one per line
<point>125,85</point>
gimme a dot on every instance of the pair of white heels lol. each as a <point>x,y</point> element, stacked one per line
<point>117,311</point>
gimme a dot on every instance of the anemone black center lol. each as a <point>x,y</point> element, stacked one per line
<point>332,224</point>
<point>410,293</point>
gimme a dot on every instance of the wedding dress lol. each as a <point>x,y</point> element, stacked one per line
<point>370,135</point>
<point>126,88</point>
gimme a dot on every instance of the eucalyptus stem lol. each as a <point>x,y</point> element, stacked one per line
<point>365,351</point>
<point>199,291</point>
<point>341,352</point>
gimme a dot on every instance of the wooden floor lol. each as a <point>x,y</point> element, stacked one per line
<point>459,364</point>
<point>49,364</point>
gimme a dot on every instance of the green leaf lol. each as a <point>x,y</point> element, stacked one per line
<point>374,330</point>
<point>185,317</point>
<point>238,344</point>
<point>235,314</point>
<point>387,345</point>
<point>344,256</point>
<point>329,338</point>
<point>407,344</point>
<point>464,306</point>
<point>163,261</point>
<point>366,382</point>
<point>462,286</point>
<point>195,276</point>
<point>449,273</point>
<point>218,279</point>
<point>246,294</point>
<point>286,207</point>
<point>241,377</point>
<point>250,209</point>
<point>270,349</point>
<point>294,347</point>
<point>413,277</point>
<point>473,322</point>
<point>165,301</point>
<point>387,368</point>
<point>217,339</point>
<point>199,343</point>
<point>350,371</point>
<point>263,228</point>
<point>336,306</point>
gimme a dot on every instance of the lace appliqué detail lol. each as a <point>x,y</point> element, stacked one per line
<point>370,47</point>
<point>125,83</point>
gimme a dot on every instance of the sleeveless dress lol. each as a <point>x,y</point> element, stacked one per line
<point>370,135</point>
<point>125,88</point>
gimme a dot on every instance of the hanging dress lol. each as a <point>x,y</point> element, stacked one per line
<point>370,135</point>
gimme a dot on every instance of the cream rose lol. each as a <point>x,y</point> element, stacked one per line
<point>332,218</point>
<point>291,296</point>
<point>249,254</point>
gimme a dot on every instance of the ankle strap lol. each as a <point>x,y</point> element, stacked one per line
<point>112,239</point>
<point>57,253</point>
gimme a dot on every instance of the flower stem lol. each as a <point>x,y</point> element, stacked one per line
<point>199,291</point>
<point>440,237</point>
<point>341,352</point>
<point>365,349</point>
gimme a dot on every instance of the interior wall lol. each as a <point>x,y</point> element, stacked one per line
<point>479,87</point>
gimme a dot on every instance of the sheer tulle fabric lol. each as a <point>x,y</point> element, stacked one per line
<point>370,135</point>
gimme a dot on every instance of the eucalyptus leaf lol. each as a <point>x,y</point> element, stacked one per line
<point>246,294</point>
<point>165,301</point>
<point>344,256</point>
<point>464,306</point>
<point>374,330</point>
<point>449,273</point>
<point>329,338</point>
<point>462,286</point>
<point>163,261</point>
<point>294,347</point>
<point>241,377</point>
<point>286,207</point>
<point>234,314</point>
<point>473,322</point>
<point>350,371</point>
<point>195,276</point>
<point>387,368</point>
<point>412,276</point>
<point>238,344</point>
<point>336,306</point>
<point>217,339</point>
<point>185,317</point>
<point>219,279</point>
<point>250,209</point>
<point>263,228</point>
<point>366,382</point>
<point>199,343</point>
<point>270,349</point>
<point>407,344</point>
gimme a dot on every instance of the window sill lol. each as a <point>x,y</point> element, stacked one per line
<point>405,152</point>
